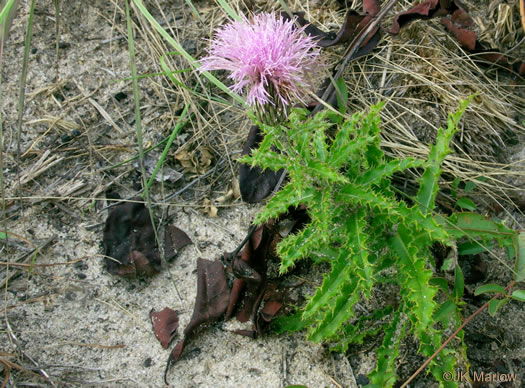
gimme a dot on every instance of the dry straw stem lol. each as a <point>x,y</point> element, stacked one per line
<point>216,124</point>
<point>422,74</point>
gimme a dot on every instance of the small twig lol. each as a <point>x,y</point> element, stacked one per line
<point>97,346</point>
<point>25,256</point>
<point>453,335</point>
<point>352,49</point>
<point>243,242</point>
<point>208,173</point>
<point>284,366</point>
<point>15,340</point>
<point>25,265</point>
<point>334,382</point>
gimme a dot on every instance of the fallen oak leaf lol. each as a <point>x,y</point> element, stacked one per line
<point>269,310</point>
<point>353,24</point>
<point>129,240</point>
<point>165,324</point>
<point>250,285</point>
<point>254,183</point>
<point>465,37</point>
<point>211,302</point>
<point>130,244</point>
<point>457,20</point>
<point>425,10</point>
<point>249,269</point>
<point>174,240</point>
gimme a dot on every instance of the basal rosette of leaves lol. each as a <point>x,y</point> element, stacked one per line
<point>367,233</point>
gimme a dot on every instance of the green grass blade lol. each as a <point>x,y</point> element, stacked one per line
<point>229,10</point>
<point>174,133</point>
<point>138,119</point>
<point>192,61</point>
<point>168,72</point>
<point>193,9</point>
<point>6,16</point>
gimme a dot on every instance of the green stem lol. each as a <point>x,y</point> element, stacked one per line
<point>174,133</point>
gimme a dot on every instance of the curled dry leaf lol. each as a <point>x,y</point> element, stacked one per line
<point>174,240</point>
<point>250,269</point>
<point>209,208</point>
<point>165,324</point>
<point>353,24</point>
<point>457,20</point>
<point>195,162</point>
<point>254,183</point>
<point>129,241</point>
<point>232,194</point>
<point>269,310</point>
<point>211,302</point>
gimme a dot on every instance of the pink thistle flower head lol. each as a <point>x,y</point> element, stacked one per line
<point>269,58</point>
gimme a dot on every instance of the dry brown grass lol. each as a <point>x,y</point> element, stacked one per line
<point>422,74</point>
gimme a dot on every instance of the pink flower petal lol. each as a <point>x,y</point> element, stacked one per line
<point>269,58</point>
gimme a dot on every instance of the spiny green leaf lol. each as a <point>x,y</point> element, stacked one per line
<point>324,172</point>
<point>331,286</point>
<point>415,282</point>
<point>340,313</point>
<point>385,373</point>
<point>357,195</point>
<point>374,175</point>
<point>358,245</point>
<point>297,246</point>
<point>426,195</point>
<point>356,332</point>
<point>282,201</point>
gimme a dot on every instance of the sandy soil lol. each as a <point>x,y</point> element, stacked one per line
<point>83,327</point>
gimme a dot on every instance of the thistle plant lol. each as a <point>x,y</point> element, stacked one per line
<point>368,232</point>
<point>269,59</point>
